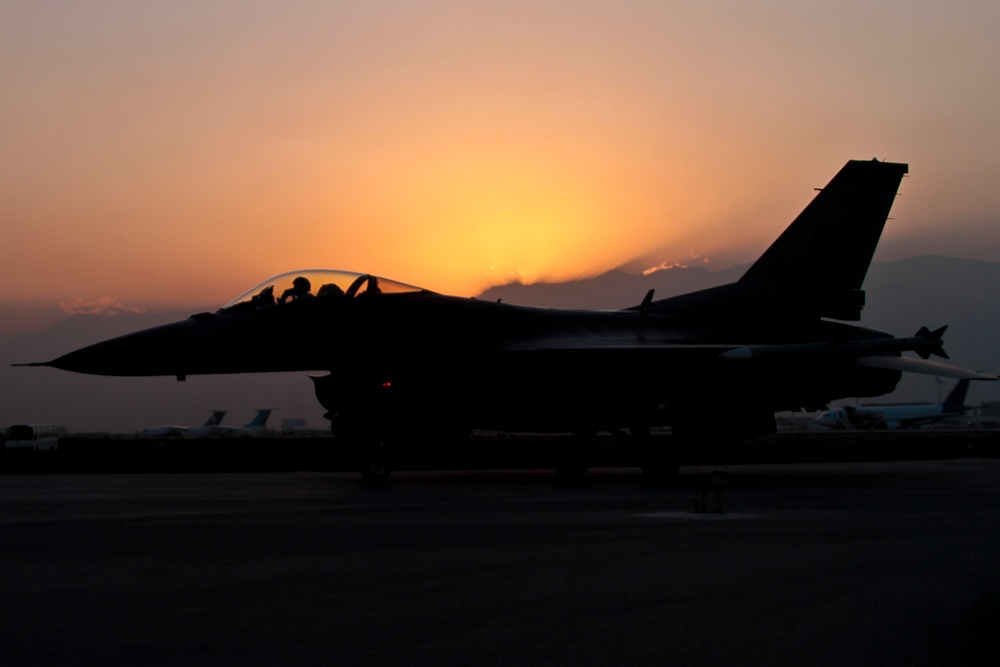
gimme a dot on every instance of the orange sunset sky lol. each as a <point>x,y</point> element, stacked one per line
<point>162,154</point>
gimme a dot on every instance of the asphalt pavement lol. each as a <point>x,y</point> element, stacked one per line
<point>810,564</point>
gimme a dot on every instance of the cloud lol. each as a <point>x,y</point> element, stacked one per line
<point>666,266</point>
<point>104,305</point>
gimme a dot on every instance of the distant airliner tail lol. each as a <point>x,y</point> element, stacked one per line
<point>260,419</point>
<point>955,401</point>
<point>216,418</point>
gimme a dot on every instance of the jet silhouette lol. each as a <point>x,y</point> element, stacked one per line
<point>714,365</point>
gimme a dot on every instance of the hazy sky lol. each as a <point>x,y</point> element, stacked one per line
<point>166,153</point>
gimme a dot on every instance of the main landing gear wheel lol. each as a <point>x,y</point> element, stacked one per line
<point>374,464</point>
<point>660,471</point>
<point>659,465</point>
<point>369,451</point>
<point>572,472</point>
<point>375,470</point>
<point>573,456</point>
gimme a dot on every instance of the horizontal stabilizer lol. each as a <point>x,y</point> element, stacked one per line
<point>923,366</point>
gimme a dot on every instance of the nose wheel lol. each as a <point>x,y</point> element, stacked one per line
<point>368,445</point>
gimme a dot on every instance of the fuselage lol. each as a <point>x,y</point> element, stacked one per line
<point>428,357</point>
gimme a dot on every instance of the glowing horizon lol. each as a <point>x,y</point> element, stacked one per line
<point>160,154</point>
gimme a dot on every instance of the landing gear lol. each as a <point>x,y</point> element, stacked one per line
<point>573,456</point>
<point>571,472</point>
<point>658,461</point>
<point>374,463</point>
<point>369,444</point>
<point>660,468</point>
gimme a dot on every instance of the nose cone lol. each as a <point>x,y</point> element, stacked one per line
<point>156,351</point>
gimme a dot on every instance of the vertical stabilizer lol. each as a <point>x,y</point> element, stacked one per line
<point>817,265</point>
<point>216,418</point>
<point>830,244</point>
<point>260,419</point>
<point>955,401</point>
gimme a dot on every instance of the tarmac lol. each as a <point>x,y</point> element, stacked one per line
<point>881,563</point>
<point>102,453</point>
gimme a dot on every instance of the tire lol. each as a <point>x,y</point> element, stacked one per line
<point>375,466</point>
<point>658,464</point>
<point>572,472</point>
<point>660,470</point>
<point>375,470</point>
<point>573,456</point>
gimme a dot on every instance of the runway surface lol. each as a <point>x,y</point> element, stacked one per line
<point>819,564</point>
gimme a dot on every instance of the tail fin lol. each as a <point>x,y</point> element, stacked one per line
<point>831,243</point>
<point>260,419</point>
<point>955,400</point>
<point>817,265</point>
<point>216,418</point>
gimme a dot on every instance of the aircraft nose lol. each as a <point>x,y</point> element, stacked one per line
<point>156,351</point>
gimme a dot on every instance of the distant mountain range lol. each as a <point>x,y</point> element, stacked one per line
<point>902,296</point>
<point>613,290</point>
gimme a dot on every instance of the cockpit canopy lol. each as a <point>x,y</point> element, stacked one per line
<point>310,284</point>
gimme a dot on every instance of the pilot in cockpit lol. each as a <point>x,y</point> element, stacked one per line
<point>300,290</point>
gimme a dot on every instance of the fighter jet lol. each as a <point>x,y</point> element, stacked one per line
<point>405,362</point>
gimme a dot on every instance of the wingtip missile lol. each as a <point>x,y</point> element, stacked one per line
<point>932,343</point>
